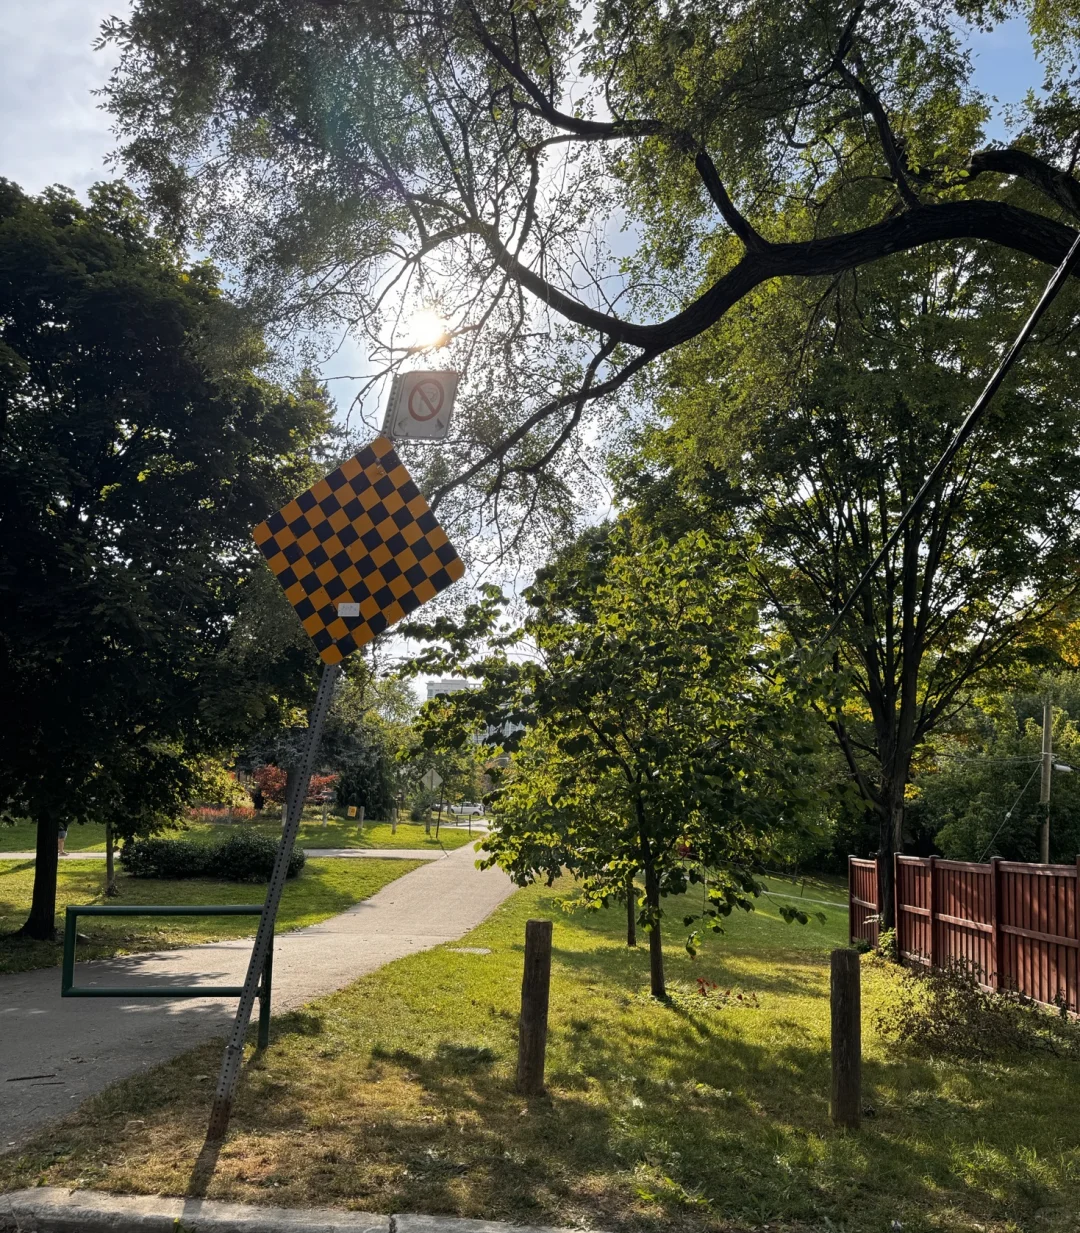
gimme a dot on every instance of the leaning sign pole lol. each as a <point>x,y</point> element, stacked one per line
<point>356,552</point>
<point>264,937</point>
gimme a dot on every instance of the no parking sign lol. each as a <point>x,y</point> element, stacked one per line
<point>420,406</point>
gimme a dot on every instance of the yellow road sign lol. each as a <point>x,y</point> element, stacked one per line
<point>358,551</point>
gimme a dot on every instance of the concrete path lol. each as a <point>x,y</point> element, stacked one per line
<point>52,1209</point>
<point>58,1051</point>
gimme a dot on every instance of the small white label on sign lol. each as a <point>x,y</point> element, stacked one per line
<point>348,610</point>
<point>420,406</point>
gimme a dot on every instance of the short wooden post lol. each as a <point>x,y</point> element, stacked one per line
<point>994,975</point>
<point>363,809</point>
<point>532,1026</point>
<point>846,1104</point>
<point>932,870</point>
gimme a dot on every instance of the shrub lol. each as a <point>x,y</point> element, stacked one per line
<point>271,781</point>
<point>946,1013</point>
<point>244,856</point>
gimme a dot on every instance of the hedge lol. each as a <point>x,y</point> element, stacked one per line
<point>244,856</point>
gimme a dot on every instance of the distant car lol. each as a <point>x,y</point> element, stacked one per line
<point>468,809</point>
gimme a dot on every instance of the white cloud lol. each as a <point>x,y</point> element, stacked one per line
<point>51,130</point>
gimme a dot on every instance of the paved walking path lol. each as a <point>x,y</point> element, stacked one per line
<point>58,1051</point>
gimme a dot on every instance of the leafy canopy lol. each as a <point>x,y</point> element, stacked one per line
<point>350,160</point>
<point>657,731</point>
<point>137,449</point>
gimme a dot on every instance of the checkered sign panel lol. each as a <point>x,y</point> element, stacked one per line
<point>358,551</point>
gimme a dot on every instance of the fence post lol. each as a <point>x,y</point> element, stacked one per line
<point>532,1026</point>
<point>995,922</point>
<point>896,906</point>
<point>932,865</point>
<point>846,1103</point>
<point>1076,925</point>
<point>265,990</point>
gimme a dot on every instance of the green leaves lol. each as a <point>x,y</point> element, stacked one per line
<point>138,631</point>
<point>653,739</point>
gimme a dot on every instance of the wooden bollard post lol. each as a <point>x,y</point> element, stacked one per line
<point>532,1026</point>
<point>846,1105</point>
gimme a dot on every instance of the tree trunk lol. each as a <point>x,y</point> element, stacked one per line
<point>41,923</point>
<point>890,841</point>
<point>110,866</point>
<point>631,912</point>
<point>656,946</point>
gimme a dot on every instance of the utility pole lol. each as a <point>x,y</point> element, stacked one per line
<point>1044,783</point>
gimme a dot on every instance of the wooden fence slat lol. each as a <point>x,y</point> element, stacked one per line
<point>994,975</point>
<point>932,949</point>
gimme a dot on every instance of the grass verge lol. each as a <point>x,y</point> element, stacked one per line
<point>338,833</point>
<point>706,1114</point>
<point>322,889</point>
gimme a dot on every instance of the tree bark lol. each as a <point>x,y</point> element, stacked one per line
<point>890,841</point>
<point>656,947</point>
<point>41,923</point>
<point>631,912</point>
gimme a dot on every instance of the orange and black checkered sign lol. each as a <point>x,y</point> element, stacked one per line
<point>358,551</point>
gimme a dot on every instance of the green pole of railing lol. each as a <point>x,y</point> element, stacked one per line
<point>67,975</point>
<point>264,996</point>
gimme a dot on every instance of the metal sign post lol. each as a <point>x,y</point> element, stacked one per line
<point>357,551</point>
<point>234,1050</point>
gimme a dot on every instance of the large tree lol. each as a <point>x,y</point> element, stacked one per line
<point>137,449</point>
<point>816,428</point>
<point>346,158</point>
<point>658,733</point>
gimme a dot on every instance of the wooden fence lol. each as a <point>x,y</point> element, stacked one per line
<point>1015,924</point>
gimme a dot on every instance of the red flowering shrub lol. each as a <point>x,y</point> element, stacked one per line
<point>271,782</point>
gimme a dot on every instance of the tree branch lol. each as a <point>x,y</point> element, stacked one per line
<point>710,177</point>
<point>1040,237</point>
<point>1059,186</point>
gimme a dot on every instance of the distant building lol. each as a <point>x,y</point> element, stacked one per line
<point>453,685</point>
<point>489,736</point>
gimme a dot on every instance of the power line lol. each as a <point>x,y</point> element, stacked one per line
<point>1008,815</point>
<point>1057,281</point>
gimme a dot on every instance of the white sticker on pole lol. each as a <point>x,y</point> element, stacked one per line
<point>420,406</point>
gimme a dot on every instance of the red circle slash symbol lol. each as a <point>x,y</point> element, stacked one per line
<point>425,400</point>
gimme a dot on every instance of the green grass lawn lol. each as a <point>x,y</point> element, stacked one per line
<point>338,833</point>
<point>322,889</point>
<point>706,1114</point>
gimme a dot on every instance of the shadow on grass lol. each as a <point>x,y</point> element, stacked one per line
<point>735,1131</point>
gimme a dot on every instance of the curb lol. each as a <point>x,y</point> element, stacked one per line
<point>54,1209</point>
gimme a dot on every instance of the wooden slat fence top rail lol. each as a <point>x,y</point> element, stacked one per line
<point>1052,871</point>
<point>1013,924</point>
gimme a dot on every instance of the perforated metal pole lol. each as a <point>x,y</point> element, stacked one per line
<point>294,808</point>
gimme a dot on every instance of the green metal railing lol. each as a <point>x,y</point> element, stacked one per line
<point>68,988</point>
